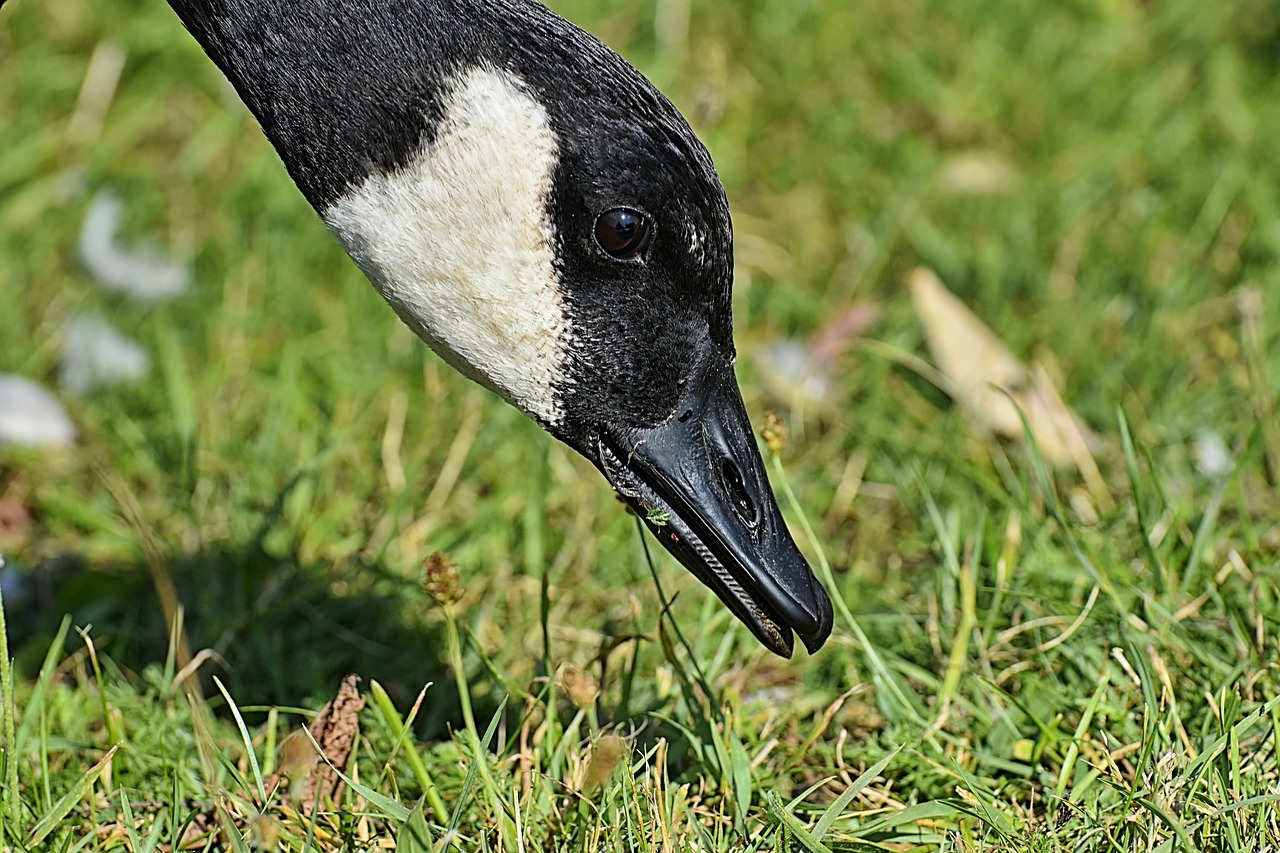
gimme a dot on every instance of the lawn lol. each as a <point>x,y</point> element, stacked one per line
<point>1029,653</point>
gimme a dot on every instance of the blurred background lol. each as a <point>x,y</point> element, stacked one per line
<point>1096,181</point>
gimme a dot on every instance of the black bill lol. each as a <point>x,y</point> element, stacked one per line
<point>699,484</point>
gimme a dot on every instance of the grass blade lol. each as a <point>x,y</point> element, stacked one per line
<point>254,770</point>
<point>833,812</point>
<point>47,668</point>
<point>390,808</point>
<point>464,797</point>
<point>415,835</point>
<point>8,708</point>
<point>68,801</point>
<point>793,827</point>
<point>403,729</point>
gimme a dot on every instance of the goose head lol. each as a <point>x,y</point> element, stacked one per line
<point>543,218</point>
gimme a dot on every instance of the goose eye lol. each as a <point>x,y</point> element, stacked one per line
<point>623,232</point>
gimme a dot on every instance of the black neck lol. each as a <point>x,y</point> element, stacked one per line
<point>345,88</point>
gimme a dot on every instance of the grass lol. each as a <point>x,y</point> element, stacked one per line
<point>1017,663</point>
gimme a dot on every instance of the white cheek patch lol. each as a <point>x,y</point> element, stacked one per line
<point>458,241</point>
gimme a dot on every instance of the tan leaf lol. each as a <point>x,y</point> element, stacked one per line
<point>994,386</point>
<point>983,373</point>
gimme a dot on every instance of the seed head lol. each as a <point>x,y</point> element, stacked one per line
<point>606,754</point>
<point>774,433</point>
<point>582,688</point>
<point>443,582</point>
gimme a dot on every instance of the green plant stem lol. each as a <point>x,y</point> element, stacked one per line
<point>8,710</point>
<point>478,748</point>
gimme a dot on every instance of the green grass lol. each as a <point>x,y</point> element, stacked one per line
<point>1016,666</point>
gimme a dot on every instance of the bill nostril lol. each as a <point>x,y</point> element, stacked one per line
<point>743,504</point>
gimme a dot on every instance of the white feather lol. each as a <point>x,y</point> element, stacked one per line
<point>459,242</point>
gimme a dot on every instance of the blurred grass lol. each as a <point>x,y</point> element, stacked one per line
<point>1051,680</point>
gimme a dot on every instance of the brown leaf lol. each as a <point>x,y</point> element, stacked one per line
<point>838,334</point>
<point>804,374</point>
<point>982,371</point>
<point>994,386</point>
<point>334,729</point>
<point>15,519</point>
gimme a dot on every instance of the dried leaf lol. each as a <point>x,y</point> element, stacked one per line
<point>994,386</point>
<point>334,729</point>
<point>15,519</point>
<point>984,374</point>
<point>838,334</point>
<point>803,374</point>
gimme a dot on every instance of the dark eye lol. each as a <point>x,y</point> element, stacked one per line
<point>623,232</point>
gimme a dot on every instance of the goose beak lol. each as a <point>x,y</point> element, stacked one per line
<point>699,483</point>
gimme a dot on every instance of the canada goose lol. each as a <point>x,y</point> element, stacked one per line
<point>545,220</point>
